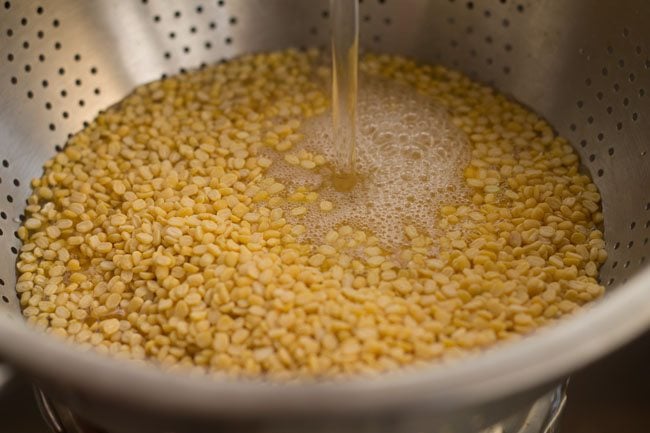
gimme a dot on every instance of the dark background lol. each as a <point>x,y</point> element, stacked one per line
<point>609,396</point>
<point>613,394</point>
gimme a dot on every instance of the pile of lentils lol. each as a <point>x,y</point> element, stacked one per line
<point>156,236</point>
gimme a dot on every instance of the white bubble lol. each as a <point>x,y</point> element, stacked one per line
<point>409,154</point>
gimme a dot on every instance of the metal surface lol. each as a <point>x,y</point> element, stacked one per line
<point>50,416</point>
<point>58,417</point>
<point>541,417</point>
<point>584,65</point>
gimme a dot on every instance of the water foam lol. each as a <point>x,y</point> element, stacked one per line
<point>410,158</point>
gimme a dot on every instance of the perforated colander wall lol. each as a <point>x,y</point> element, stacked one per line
<point>63,61</point>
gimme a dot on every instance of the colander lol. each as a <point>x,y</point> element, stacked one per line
<point>584,65</point>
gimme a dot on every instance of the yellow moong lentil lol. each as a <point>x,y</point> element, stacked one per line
<point>156,234</point>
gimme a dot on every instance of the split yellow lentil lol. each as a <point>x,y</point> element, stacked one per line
<point>156,235</point>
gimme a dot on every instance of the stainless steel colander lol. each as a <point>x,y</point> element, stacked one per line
<point>585,65</point>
